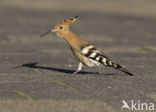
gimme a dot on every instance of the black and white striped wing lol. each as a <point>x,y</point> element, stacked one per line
<point>92,53</point>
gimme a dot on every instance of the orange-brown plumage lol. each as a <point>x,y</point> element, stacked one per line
<point>86,53</point>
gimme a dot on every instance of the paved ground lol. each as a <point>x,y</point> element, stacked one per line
<point>124,30</point>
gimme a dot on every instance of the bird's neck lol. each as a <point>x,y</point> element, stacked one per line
<point>73,40</point>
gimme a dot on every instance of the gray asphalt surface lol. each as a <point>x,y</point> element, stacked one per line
<point>35,72</point>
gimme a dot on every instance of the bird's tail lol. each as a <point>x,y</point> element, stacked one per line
<point>123,69</point>
<point>119,67</point>
<point>109,63</point>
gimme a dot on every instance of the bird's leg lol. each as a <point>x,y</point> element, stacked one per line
<point>99,69</point>
<point>100,72</point>
<point>79,68</point>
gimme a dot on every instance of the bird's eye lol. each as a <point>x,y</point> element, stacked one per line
<point>61,27</point>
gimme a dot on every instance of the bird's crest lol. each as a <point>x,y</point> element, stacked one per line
<point>69,21</point>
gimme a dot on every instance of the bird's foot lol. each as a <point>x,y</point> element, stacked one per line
<point>100,72</point>
<point>75,72</point>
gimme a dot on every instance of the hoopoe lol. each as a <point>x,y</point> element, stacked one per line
<point>86,53</point>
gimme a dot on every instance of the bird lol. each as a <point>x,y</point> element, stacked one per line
<point>85,52</point>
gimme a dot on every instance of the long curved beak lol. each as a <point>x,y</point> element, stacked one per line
<point>48,32</point>
<point>54,30</point>
<point>45,33</point>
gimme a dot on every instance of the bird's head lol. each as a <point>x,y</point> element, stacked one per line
<point>62,27</point>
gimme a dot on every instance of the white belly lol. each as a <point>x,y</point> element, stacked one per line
<point>86,61</point>
<point>91,63</point>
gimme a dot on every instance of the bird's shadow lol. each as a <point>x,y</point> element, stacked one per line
<point>34,65</point>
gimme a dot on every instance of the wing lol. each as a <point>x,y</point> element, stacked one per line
<point>92,53</point>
